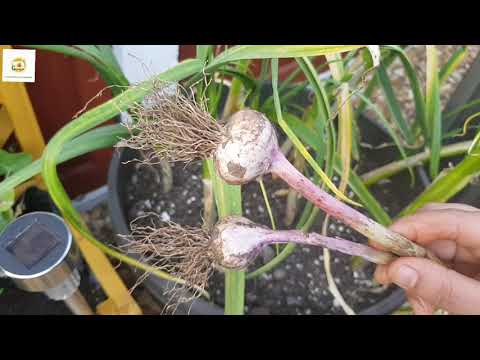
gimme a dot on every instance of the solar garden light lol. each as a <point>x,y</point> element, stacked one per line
<point>36,253</point>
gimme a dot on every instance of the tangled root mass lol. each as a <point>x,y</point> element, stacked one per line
<point>181,251</point>
<point>170,125</point>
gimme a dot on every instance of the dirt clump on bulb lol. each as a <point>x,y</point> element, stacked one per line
<point>245,151</point>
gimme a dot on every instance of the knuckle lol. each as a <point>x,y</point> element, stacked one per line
<point>445,294</point>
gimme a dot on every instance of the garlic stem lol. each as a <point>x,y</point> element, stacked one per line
<point>336,244</point>
<point>388,239</point>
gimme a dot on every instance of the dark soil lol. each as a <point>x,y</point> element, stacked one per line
<point>14,301</point>
<point>299,284</point>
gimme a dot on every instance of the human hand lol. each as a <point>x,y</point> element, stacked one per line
<point>452,232</point>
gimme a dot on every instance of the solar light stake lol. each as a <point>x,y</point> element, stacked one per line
<point>35,252</point>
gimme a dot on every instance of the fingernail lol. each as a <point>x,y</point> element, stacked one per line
<point>405,277</point>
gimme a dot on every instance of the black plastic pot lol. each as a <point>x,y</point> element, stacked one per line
<point>118,173</point>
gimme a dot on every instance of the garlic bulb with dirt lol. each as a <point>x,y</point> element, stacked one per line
<point>246,149</point>
<point>237,241</point>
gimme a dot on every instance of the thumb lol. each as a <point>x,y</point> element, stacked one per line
<point>436,285</point>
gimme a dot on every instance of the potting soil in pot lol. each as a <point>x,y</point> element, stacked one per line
<point>299,284</point>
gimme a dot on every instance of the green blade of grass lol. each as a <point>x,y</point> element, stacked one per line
<point>268,107</point>
<point>7,201</point>
<point>393,105</point>
<point>249,52</point>
<point>229,202</point>
<point>107,53</point>
<point>355,139</point>
<point>287,90</point>
<point>247,81</point>
<point>269,210</point>
<point>345,120</point>
<point>434,114</point>
<point>267,204</point>
<point>460,109</point>
<point>324,123</point>
<point>387,60</point>
<point>99,138</point>
<point>264,74</point>
<point>234,100</point>
<point>203,52</point>
<point>274,51</point>
<point>13,162</point>
<point>455,60</point>
<point>420,110</point>
<point>66,50</point>
<point>321,109</point>
<point>103,54</point>
<point>311,74</point>
<point>308,135</point>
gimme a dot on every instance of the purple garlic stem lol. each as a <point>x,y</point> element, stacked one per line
<point>336,244</point>
<point>394,242</point>
<point>237,241</point>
